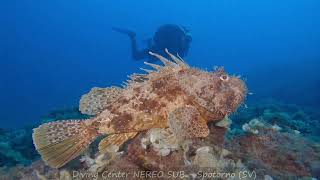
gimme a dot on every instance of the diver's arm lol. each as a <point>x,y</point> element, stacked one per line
<point>138,54</point>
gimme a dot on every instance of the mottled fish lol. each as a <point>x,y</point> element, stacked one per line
<point>175,95</point>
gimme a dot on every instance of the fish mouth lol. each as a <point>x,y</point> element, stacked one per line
<point>239,91</point>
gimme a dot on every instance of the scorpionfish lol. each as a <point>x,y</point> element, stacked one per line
<point>174,95</point>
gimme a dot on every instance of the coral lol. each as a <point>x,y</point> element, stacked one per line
<point>17,146</point>
<point>40,176</point>
<point>37,170</point>
<point>267,147</point>
<point>276,153</point>
<point>203,158</point>
<point>146,149</point>
<point>216,159</point>
<point>270,153</point>
<point>102,160</point>
<point>161,140</point>
<point>11,173</point>
<point>155,156</point>
<point>225,123</point>
<point>9,153</point>
<point>267,177</point>
<point>206,157</point>
<point>253,126</point>
<point>291,118</point>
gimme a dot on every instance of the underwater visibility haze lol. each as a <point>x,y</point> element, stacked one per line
<point>66,60</point>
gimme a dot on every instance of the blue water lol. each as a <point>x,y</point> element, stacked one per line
<point>52,52</point>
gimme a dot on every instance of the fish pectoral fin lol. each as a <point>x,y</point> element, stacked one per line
<point>186,122</point>
<point>98,99</point>
<point>115,139</point>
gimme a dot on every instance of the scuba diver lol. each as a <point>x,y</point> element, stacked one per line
<point>173,37</point>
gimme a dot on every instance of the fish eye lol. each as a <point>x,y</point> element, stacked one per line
<point>224,77</point>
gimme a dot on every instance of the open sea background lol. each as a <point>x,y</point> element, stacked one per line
<point>52,52</point>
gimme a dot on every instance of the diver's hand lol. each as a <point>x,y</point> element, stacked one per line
<point>128,32</point>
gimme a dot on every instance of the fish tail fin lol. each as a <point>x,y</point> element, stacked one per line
<point>60,142</point>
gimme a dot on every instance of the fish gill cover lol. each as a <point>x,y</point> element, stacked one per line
<point>54,53</point>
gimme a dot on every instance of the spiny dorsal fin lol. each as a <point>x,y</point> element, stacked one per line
<point>155,66</point>
<point>138,77</point>
<point>164,60</point>
<point>147,70</point>
<point>178,61</point>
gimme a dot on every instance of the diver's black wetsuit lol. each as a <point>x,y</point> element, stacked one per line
<point>173,37</point>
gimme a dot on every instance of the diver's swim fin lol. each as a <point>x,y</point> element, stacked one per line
<point>128,32</point>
